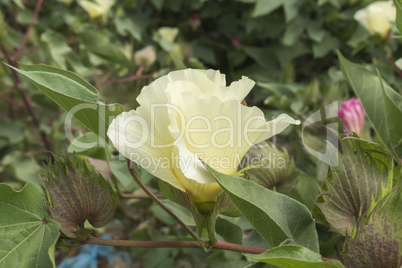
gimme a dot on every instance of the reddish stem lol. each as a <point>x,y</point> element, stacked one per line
<point>180,244</point>
<point>139,196</point>
<point>174,244</point>
<point>26,35</point>
<point>27,102</point>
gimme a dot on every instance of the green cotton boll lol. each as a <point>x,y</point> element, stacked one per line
<point>380,236</point>
<point>76,193</point>
<point>269,166</point>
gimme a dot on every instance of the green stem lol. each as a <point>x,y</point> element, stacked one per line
<point>159,202</point>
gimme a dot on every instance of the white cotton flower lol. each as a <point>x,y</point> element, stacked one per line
<point>168,33</point>
<point>96,8</point>
<point>188,116</point>
<point>377,17</point>
<point>146,56</point>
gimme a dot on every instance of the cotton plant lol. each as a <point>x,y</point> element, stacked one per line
<point>192,132</point>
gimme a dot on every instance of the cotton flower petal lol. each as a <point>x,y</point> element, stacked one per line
<point>97,8</point>
<point>220,137</point>
<point>188,117</point>
<point>377,17</point>
<point>134,137</point>
<point>238,90</point>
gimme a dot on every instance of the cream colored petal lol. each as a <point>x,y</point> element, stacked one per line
<point>238,90</point>
<point>204,83</point>
<point>377,17</point>
<point>197,77</point>
<point>92,8</point>
<point>179,87</point>
<point>97,9</point>
<point>220,133</point>
<point>146,142</point>
<point>363,18</point>
<point>154,92</point>
<point>157,92</point>
<point>191,166</point>
<point>168,33</point>
<point>215,76</point>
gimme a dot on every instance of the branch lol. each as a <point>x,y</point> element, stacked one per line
<point>174,244</point>
<point>159,202</point>
<point>26,35</point>
<point>396,68</point>
<point>181,244</point>
<point>139,196</point>
<point>136,76</point>
<point>27,102</point>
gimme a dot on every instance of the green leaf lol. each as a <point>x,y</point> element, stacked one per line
<point>12,131</point>
<point>264,7</point>
<point>22,167</point>
<point>276,217</point>
<point>381,103</point>
<point>28,236</point>
<point>126,25</point>
<point>230,231</point>
<point>88,145</point>
<point>120,170</point>
<point>57,46</point>
<point>290,256</point>
<point>183,213</point>
<point>398,5</point>
<point>294,30</point>
<point>73,94</point>
<point>351,186</point>
<point>100,45</point>
<point>322,48</point>
<point>291,8</point>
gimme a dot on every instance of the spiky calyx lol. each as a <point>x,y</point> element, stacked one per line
<point>76,193</point>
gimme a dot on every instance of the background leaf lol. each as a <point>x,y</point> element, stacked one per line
<point>73,94</point>
<point>290,256</point>
<point>27,234</point>
<point>382,104</point>
<point>398,5</point>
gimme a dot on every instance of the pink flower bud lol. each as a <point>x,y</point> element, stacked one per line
<point>195,21</point>
<point>236,42</point>
<point>351,114</point>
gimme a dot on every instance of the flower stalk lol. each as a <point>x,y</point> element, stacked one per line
<point>159,202</point>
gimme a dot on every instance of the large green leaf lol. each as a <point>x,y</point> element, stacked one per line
<point>291,256</point>
<point>382,104</point>
<point>398,5</point>
<point>276,217</point>
<point>27,234</point>
<point>73,94</point>
<point>263,7</point>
